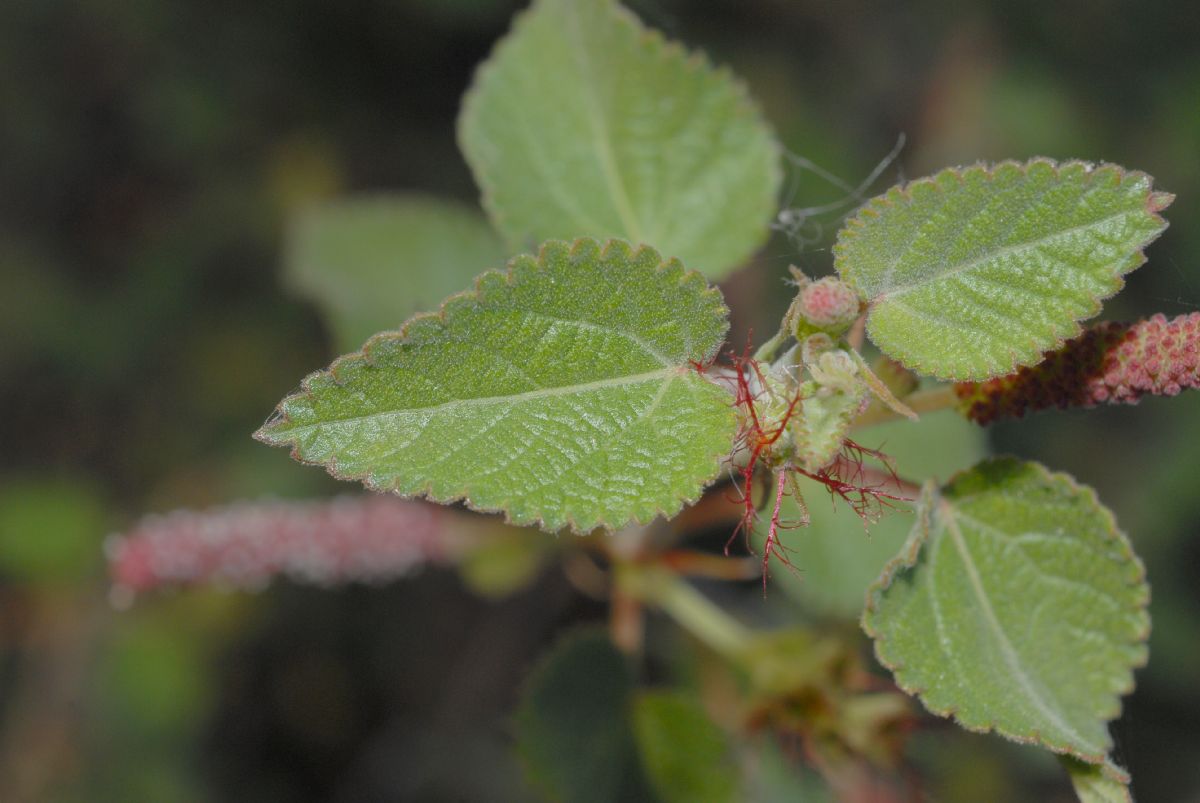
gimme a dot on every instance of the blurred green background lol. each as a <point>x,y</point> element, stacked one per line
<point>151,154</point>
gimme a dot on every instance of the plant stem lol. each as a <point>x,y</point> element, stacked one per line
<point>687,606</point>
<point>626,625</point>
<point>855,336</point>
<point>767,350</point>
<point>701,564</point>
<point>923,401</point>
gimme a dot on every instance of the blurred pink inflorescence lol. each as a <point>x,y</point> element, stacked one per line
<point>1113,363</point>
<point>366,539</point>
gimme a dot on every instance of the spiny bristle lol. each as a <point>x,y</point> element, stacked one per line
<point>1110,363</point>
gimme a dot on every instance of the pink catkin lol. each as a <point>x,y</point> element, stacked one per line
<point>1110,363</point>
<point>367,539</point>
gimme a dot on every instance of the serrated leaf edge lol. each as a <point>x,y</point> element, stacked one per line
<point>907,558</point>
<point>1156,201</point>
<point>1108,769</point>
<point>508,277</point>
<point>652,40</point>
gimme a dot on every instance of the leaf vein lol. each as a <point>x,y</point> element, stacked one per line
<point>1009,653</point>
<point>998,253</point>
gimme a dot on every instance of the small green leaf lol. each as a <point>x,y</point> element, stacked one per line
<point>583,122</point>
<point>560,392</point>
<point>685,754</point>
<point>974,272</point>
<point>1015,606</point>
<point>370,262</point>
<point>1094,784</point>
<point>573,728</point>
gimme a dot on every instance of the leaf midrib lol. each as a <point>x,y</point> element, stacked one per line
<point>666,374</point>
<point>600,131</point>
<point>1007,650</point>
<point>955,270</point>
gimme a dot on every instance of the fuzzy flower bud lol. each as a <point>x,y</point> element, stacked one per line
<point>367,539</point>
<point>827,305</point>
<point>1113,363</point>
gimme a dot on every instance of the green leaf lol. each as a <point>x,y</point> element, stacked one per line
<point>974,272</point>
<point>685,754</point>
<point>560,392</point>
<point>583,122</point>
<point>835,559</point>
<point>573,728</point>
<point>1094,784</point>
<point>1015,606</point>
<point>369,262</point>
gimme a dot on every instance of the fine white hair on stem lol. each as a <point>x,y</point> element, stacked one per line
<point>800,224</point>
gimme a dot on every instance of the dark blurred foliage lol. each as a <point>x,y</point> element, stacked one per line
<point>150,154</point>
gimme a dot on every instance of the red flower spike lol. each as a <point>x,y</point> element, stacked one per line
<point>772,546</point>
<point>1110,363</point>
<point>867,491</point>
<point>758,441</point>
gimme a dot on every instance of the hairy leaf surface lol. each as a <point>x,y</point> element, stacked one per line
<point>1016,606</point>
<point>371,262</point>
<point>583,122</point>
<point>561,392</point>
<point>974,272</point>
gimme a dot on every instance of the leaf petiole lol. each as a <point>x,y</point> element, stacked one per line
<point>930,400</point>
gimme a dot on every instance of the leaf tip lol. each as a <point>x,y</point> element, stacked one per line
<point>268,432</point>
